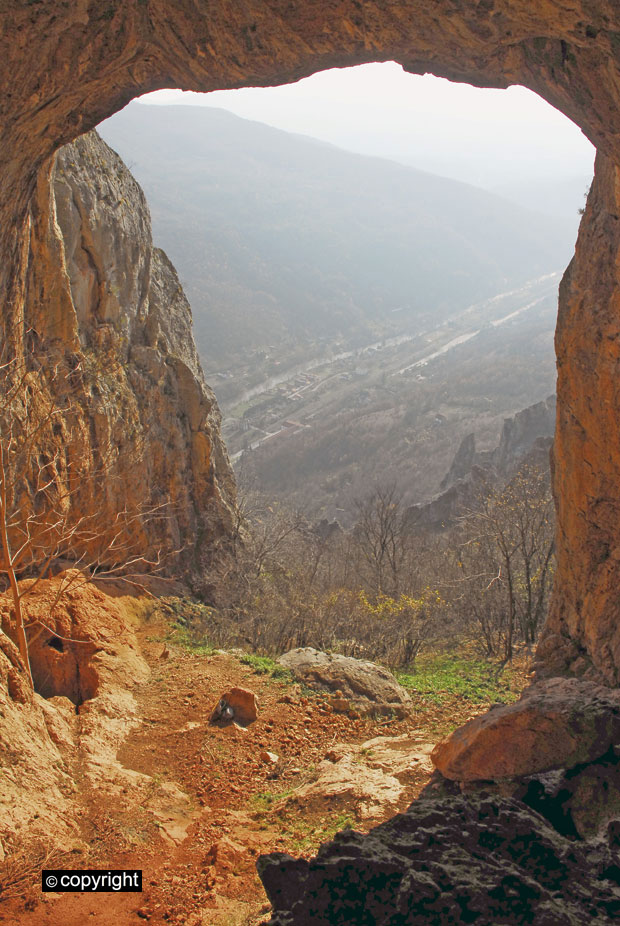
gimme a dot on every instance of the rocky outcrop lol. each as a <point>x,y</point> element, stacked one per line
<point>583,629</point>
<point>139,426</point>
<point>354,684</point>
<point>525,437</point>
<point>34,798</point>
<point>525,441</point>
<point>559,723</point>
<point>85,663</point>
<point>366,780</point>
<point>460,860</point>
<point>65,69</point>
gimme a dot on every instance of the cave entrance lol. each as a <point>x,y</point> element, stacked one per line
<point>63,667</point>
<point>302,260</point>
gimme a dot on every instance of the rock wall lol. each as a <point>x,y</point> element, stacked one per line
<point>66,67</point>
<point>139,425</point>
<point>583,630</point>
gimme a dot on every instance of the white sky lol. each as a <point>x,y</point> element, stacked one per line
<point>486,137</point>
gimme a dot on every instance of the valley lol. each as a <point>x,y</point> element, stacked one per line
<point>320,434</point>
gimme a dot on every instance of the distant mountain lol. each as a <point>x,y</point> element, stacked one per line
<point>281,240</point>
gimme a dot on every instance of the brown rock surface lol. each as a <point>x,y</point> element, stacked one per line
<point>142,430</point>
<point>558,723</point>
<point>583,629</point>
<point>356,684</point>
<point>65,69</point>
<point>242,702</point>
<point>594,797</point>
<point>35,793</point>
<point>83,705</point>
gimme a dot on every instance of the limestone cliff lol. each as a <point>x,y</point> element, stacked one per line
<point>526,440</point>
<point>66,67</point>
<point>108,312</point>
<point>583,629</point>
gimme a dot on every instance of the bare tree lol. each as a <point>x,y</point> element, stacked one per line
<point>506,557</point>
<point>381,539</point>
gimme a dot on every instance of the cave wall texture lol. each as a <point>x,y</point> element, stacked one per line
<point>68,65</point>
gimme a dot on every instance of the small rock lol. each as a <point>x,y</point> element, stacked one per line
<point>270,758</point>
<point>238,703</point>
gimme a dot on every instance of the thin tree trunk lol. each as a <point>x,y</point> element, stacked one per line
<point>22,642</point>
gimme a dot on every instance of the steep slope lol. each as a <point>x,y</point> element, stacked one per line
<point>111,345</point>
<point>279,238</point>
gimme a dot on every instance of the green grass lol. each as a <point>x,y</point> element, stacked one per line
<point>181,637</point>
<point>438,678</point>
<point>189,623</point>
<point>302,836</point>
<point>265,665</point>
<point>264,800</point>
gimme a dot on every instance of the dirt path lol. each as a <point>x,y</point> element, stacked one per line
<point>213,803</point>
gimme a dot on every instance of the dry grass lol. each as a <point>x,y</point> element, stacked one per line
<point>20,870</point>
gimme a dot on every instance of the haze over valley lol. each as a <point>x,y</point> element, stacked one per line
<point>355,316</point>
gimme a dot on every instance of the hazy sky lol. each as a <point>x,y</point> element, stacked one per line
<point>487,137</point>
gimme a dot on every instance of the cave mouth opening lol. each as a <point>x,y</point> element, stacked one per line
<point>506,59</point>
<point>177,241</point>
<point>253,344</point>
<point>63,668</point>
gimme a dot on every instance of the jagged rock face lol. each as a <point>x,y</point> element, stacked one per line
<point>117,322</point>
<point>525,441</point>
<point>445,862</point>
<point>520,436</point>
<point>65,68</point>
<point>583,628</point>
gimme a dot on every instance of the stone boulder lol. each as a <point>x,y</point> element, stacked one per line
<point>443,862</point>
<point>558,723</point>
<point>238,704</point>
<point>354,683</point>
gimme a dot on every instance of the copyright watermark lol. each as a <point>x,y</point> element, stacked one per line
<point>93,881</point>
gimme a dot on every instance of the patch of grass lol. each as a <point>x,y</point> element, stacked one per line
<point>190,622</point>
<point>303,836</point>
<point>265,665</point>
<point>182,637</point>
<point>264,800</point>
<point>437,678</point>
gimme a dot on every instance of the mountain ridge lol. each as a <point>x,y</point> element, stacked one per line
<point>282,239</point>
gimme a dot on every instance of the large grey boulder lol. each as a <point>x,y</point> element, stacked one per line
<point>354,683</point>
